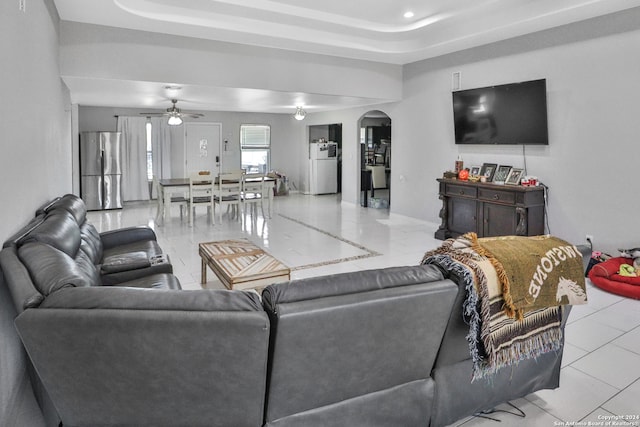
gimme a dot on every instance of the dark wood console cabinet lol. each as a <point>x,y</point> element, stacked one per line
<point>490,209</point>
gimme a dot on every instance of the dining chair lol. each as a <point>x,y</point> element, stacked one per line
<point>201,194</point>
<point>228,192</point>
<point>380,155</point>
<point>180,199</point>
<point>253,192</point>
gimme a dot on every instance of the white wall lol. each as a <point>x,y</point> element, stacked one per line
<point>115,53</point>
<point>287,142</point>
<point>591,162</point>
<point>35,152</point>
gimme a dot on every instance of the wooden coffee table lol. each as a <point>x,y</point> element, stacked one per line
<point>240,264</point>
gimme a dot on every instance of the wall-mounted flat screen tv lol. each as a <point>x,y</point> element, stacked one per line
<point>514,113</point>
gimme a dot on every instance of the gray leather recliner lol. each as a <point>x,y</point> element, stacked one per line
<point>355,349</point>
<point>127,356</point>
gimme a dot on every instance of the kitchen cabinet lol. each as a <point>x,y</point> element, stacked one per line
<point>490,209</point>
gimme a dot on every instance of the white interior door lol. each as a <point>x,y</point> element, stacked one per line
<point>202,147</point>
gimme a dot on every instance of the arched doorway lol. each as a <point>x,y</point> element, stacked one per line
<point>375,159</point>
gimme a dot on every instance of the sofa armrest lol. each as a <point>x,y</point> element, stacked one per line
<point>23,292</point>
<point>125,262</point>
<point>124,236</point>
<point>140,357</point>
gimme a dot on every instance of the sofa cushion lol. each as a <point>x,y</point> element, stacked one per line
<point>50,268</point>
<point>60,230</point>
<point>91,242</point>
<point>72,204</point>
<point>86,265</point>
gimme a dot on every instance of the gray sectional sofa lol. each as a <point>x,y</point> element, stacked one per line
<point>112,340</point>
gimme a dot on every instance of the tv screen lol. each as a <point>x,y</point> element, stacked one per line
<point>514,113</point>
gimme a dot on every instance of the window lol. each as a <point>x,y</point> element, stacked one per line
<point>255,147</point>
<point>149,153</point>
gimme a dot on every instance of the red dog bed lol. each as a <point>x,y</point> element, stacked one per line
<point>605,276</point>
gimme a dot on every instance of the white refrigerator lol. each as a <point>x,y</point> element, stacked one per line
<point>323,168</point>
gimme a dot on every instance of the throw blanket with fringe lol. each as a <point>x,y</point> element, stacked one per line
<point>536,272</point>
<point>497,337</point>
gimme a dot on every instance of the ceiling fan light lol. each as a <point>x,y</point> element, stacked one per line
<point>300,113</point>
<point>174,120</point>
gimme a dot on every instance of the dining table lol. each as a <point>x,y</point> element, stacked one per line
<point>169,186</point>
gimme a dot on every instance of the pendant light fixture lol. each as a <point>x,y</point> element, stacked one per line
<point>300,114</point>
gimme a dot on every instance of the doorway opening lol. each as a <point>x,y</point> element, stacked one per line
<point>375,159</point>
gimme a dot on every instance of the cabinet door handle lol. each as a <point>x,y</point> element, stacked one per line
<point>496,197</point>
<point>461,192</point>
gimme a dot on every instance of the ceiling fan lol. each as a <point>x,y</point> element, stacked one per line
<point>175,114</point>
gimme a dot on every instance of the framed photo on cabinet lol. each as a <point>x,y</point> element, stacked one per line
<point>514,176</point>
<point>488,170</point>
<point>474,171</point>
<point>501,174</point>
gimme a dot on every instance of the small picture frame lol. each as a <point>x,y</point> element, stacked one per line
<point>501,174</point>
<point>488,170</point>
<point>514,176</point>
<point>474,171</point>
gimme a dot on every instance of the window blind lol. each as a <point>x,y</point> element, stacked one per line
<point>255,136</point>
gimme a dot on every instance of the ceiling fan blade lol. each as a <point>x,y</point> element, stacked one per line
<point>174,111</point>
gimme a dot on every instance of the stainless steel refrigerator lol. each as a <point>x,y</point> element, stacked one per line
<point>100,170</point>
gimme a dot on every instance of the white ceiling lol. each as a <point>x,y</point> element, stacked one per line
<point>373,30</point>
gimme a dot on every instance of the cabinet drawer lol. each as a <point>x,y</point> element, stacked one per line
<point>460,190</point>
<point>492,195</point>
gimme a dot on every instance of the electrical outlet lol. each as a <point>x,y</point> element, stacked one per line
<point>22,5</point>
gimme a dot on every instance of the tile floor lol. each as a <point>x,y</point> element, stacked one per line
<point>317,235</point>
